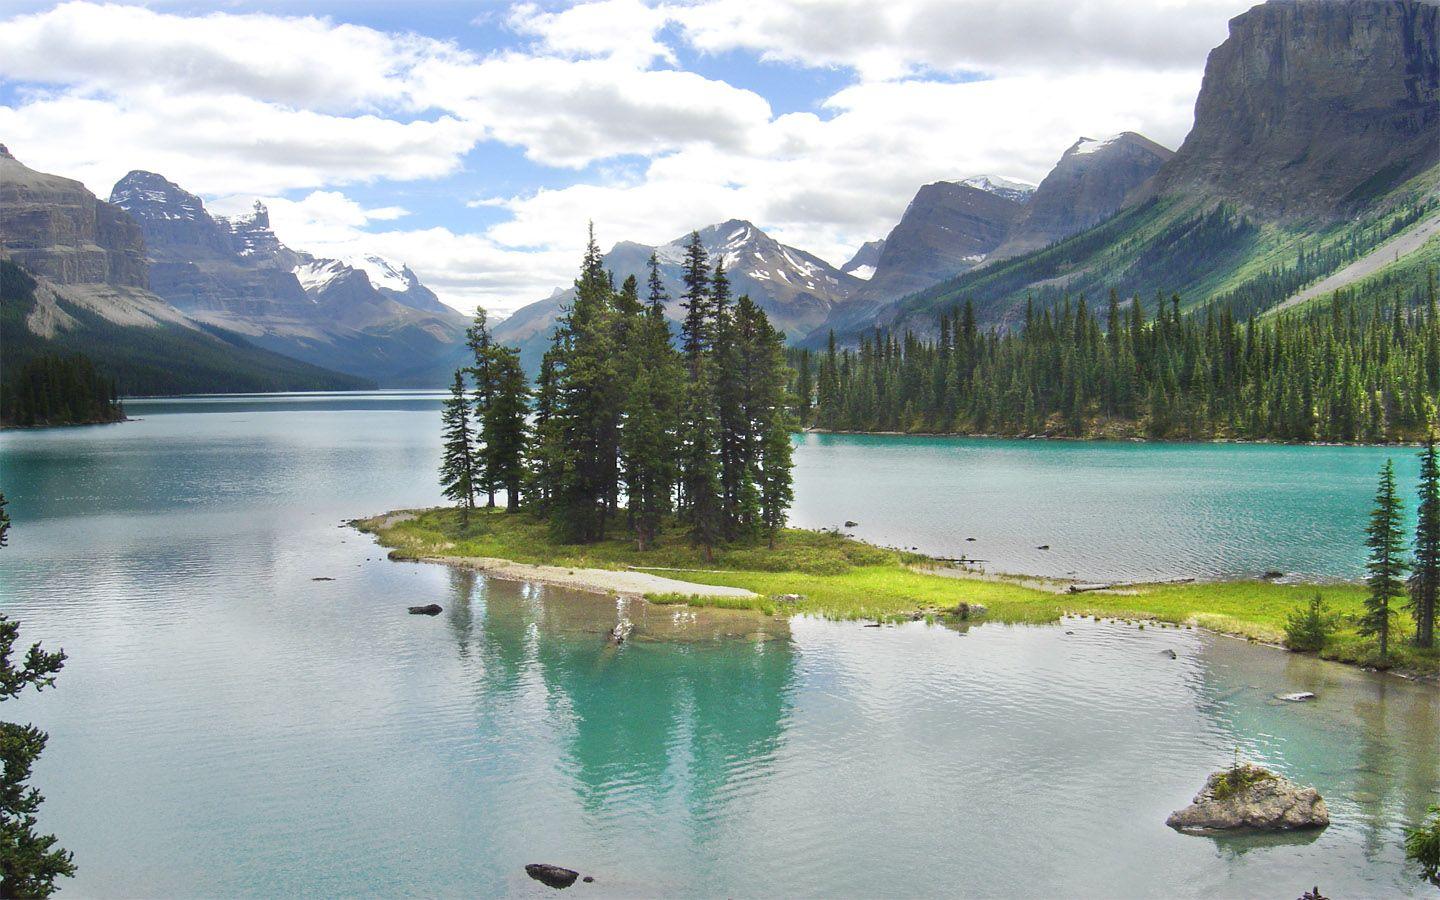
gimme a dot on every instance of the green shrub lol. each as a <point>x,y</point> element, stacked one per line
<point>1310,626</point>
<point>1423,845</point>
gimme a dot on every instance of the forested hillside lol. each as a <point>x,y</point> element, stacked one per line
<point>1364,367</point>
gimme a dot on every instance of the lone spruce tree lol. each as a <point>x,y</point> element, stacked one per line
<point>29,862</point>
<point>505,425</point>
<point>650,440</point>
<point>1386,566</point>
<point>458,462</point>
<point>1426,582</point>
<point>477,337</point>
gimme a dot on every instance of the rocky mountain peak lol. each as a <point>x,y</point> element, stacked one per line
<point>5,152</point>
<point>147,195</point>
<point>1009,188</point>
<point>862,264</point>
<point>1314,108</point>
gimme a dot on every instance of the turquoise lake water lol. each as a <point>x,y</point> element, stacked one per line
<point>227,725</point>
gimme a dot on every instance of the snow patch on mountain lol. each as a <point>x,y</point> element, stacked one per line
<point>1000,185</point>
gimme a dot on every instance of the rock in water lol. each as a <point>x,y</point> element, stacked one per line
<point>429,609</point>
<point>1297,697</point>
<point>1251,797</point>
<point>552,876</point>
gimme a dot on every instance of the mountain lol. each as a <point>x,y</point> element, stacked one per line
<point>1287,178</point>
<point>862,264</point>
<point>73,279</point>
<point>1314,108</point>
<point>366,316</point>
<point>1087,186</point>
<point>1009,188</point>
<point>796,289</point>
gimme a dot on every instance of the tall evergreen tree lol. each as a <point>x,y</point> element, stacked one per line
<point>505,425</point>
<point>650,440</point>
<point>1425,583</point>
<point>29,862</point>
<point>482,347</point>
<point>458,465</point>
<point>1386,566</point>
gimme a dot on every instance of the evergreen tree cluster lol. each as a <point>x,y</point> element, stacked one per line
<point>1357,371</point>
<point>627,428</point>
<point>58,390</point>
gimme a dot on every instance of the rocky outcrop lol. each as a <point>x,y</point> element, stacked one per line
<point>1249,797</point>
<point>1088,184</point>
<point>947,228</point>
<point>1314,107</point>
<point>55,228</point>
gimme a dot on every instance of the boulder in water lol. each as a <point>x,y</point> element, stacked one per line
<point>1297,697</point>
<point>429,609</point>
<point>620,632</point>
<point>1251,797</point>
<point>552,876</point>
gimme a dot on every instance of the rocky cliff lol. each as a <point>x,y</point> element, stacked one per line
<point>366,317</point>
<point>57,229</point>
<point>1314,107</point>
<point>1087,185</point>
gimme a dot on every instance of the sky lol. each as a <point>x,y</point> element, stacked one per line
<point>474,141</point>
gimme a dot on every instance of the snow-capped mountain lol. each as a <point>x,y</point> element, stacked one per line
<point>862,264</point>
<point>797,290</point>
<point>366,316</point>
<point>1009,188</point>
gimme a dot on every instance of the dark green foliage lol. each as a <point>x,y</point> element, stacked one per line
<point>458,467</point>
<point>504,424</point>
<point>1425,582</point>
<point>477,338</point>
<point>703,432</point>
<point>153,361</point>
<point>29,862</point>
<point>1309,627</point>
<point>1386,566</point>
<point>58,390</point>
<point>1422,845</point>
<point>1356,371</point>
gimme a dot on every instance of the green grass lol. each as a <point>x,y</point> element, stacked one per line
<point>842,578</point>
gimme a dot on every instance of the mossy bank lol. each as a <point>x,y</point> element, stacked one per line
<point>830,575</point>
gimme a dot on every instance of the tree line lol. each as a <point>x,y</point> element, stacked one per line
<point>624,427</point>
<point>1359,370</point>
<point>58,390</point>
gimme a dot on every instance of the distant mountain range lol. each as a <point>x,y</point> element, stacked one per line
<point>1314,161</point>
<point>74,277</point>
<point>367,317</point>
<point>797,290</point>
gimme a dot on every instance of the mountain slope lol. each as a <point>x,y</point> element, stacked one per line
<point>73,280</point>
<point>1087,186</point>
<point>367,316</point>
<point>1206,225</point>
<point>796,289</point>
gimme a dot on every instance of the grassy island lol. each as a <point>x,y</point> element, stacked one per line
<point>838,577</point>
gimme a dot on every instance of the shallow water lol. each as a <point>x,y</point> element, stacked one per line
<point>227,725</point>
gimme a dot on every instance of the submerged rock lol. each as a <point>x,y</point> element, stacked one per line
<point>1251,797</point>
<point>1168,652</point>
<point>621,631</point>
<point>552,876</point>
<point>429,609</point>
<point>1297,697</point>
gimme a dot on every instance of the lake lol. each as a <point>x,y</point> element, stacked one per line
<point>227,725</point>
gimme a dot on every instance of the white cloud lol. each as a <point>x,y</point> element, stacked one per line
<point>890,39</point>
<point>239,105</point>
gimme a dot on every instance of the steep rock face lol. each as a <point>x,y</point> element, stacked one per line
<point>1314,107</point>
<point>367,317</point>
<point>862,264</point>
<point>796,289</point>
<point>1087,185</point>
<point>57,229</point>
<point>1009,188</point>
<point>947,229</point>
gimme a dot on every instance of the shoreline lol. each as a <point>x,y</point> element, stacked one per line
<point>1108,439</point>
<point>876,585</point>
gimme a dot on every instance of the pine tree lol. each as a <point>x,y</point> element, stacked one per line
<point>650,440</point>
<point>458,465</point>
<point>1425,583</point>
<point>29,862</point>
<point>768,492</point>
<point>477,337</point>
<point>1386,566</point>
<point>505,425</point>
<point>736,440</point>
